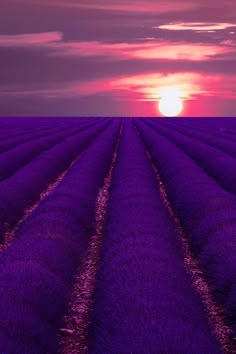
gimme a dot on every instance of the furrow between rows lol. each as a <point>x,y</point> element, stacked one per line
<point>38,270</point>
<point>207,213</point>
<point>143,301</point>
<point>215,313</point>
<point>217,164</point>
<point>74,339</point>
<point>19,192</point>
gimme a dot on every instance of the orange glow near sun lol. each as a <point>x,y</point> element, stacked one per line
<point>170,103</point>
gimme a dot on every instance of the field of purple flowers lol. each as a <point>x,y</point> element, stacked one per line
<point>117,236</point>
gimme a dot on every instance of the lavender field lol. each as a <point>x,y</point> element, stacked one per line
<point>117,235</point>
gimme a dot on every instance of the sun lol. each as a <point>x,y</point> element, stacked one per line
<point>170,104</point>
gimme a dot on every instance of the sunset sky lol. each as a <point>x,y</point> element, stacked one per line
<point>113,58</point>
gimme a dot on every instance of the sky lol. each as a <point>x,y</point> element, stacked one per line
<point>114,58</point>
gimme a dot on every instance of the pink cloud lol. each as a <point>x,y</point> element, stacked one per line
<point>121,5</point>
<point>38,39</point>
<point>62,91</point>
<point>196,26</point>
<point>143,87</point>
<point>228,42</point>
<point>151,49</point>
<point>149,86</point>
<point>191,85</point>
<point>155,49</point>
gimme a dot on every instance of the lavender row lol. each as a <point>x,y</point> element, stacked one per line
<point>212,126</point>
<point>13,138</point>
<point>222,132</point>
<point>188,126</point>
<point>23,189</point>
<point>17,125</point>
<point>191,130</point>
<point>33,129</point>
<point>144,301</point>
<point>216,142</point>
<point>16,158</point>
<point>38,270</point>
<point>216,163</point>
<point>10,142</point>
<point>207,212</point>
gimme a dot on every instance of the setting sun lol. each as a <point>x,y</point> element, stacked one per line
<point>170,104</point>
